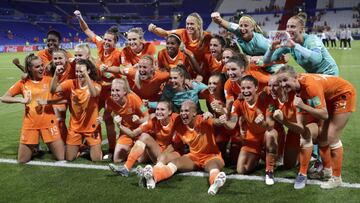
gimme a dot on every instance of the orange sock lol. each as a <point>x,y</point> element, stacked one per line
<point>305,156</point>
<point>162,172</point>
<point>336,158</point>
<point>136,151</point>
<point>270,161</point>
<point>325,156</point>
<point>213,174</point>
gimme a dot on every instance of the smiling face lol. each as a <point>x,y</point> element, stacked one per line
<point>192,26</point>
<point>80,53</point>
<point>188,113</point>
<point>79,72</point>
<point>213,84</point>
<point>172,46</point>
<point>162,111</point>
<point>134,41</point>
<point>37,69</point>
<point>118,91</point>
<point>176,80</point>
<point>52,42</point>
<point>215,48</point>
<point>233,71</point>
<point>226,55</point>
<point>246,28</point>
<point>248,90</point>
<point>286,82</point>
<point>274,87</point>
<point>146,69</point>
<point>109,41</point>
<point>295,29</point>
<point>59,58</point>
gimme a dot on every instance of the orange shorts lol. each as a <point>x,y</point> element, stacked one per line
<point>253,143</point>
<point>76,138</point>
<point>31,136</point>
<point>126,140</point>
<point>343,103</point>
<point>201,160</point>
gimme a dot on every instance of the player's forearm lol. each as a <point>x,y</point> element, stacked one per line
<point>317,113</point>
<point>10,99</point>
<point>160,32</point>
<point>296,127</point>
<point>92,89</point>
<point>314,56</point>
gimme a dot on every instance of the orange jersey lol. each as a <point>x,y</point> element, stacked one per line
<point>69,73</point>
<point>83,108</point>
<point>212,65</point>
<point>36,116</point>
<point>129,57</point>
<point>150,89</point>
<point>249,112</point>
<point>232,89</point>
<point>205,94</point>
<point>113,59</point>
<point>133,106</point>
<point>198,48</point>
<point>163,135</point>
<point>288,109</point>
<point>201,139</point>
<point>46,57</point>
<point>317,89</point>
<point>165,62</point>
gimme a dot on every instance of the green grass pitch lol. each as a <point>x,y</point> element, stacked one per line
<point>26,183</point>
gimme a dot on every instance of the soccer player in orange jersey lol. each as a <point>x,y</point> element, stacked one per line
<point>39,119</point>
<point>198,133</point>
<point>60,61</point>
<point>256,109</point>
<point>83,96</point>
<point>327,98</point>
<point>285,114</point>
<point>148,81</point>
<point>215,101</point>
<point>193,36</point>
<point>52,43</point>
<point>130,112</point>
<point>109,56</point>
<point>157,139</point>
<point>136,47</point>
<point>213,61</point>
<point>175,54</point>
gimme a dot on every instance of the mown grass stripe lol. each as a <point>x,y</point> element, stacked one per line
<point>195,173</point>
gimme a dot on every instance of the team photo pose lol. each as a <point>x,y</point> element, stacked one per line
<point>255,109</point>
<point>307,49</point>
<point>83,96</point>
<point>39,118</point>
<point>156,139</point>
<point>197,132</point>
<point>327,98</point>
<point>130,112</point>
<point>173,55</point>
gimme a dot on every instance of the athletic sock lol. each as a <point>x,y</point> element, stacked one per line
<point>136,151</point>
<point>213,174</point>
<point>270,161</point>
<point>305,156</point>
<point>325,156</point>
<point>164,172</point>
<point>337,151</point>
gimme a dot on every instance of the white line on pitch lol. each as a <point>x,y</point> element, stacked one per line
<point>197,174</point>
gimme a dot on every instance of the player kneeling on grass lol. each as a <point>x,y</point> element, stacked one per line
<point>130,113</point>
<point>39,119</point>
<point>83,95</point>
<point>197,131</point>
<point>157,139</point>
<point>260,128</point>
<point>327,98</point>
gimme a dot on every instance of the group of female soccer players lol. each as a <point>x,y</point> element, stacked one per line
<point>251,96</point>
